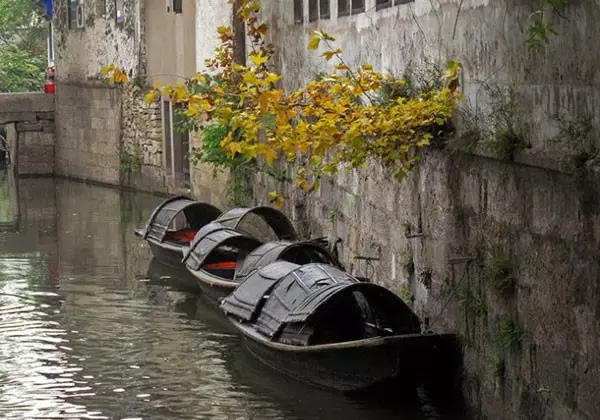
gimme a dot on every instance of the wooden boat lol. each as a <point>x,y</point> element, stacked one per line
<point>280,225</point>
<point>221,258</point>
<point>213,256</point>
<point>173,225</point>
<point>321,326</point>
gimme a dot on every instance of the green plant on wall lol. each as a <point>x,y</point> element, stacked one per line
<point>504,139</point>
<point>510,335</point>
<point>497,271</point>
<point>473,304</point>
<point>541,22</point>
<point>578,135</point>
<point>405,293</point>
<point>498,366</point>
<point>130,159</point>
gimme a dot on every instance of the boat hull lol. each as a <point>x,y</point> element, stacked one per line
<point>167,254</point>
<point>213,287</point>
<point>356,366</point>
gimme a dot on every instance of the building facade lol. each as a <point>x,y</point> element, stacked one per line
<point>530,354</point>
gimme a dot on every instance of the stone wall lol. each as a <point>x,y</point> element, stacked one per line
<point>88,132</point>
<point>141,153</point>
<point>29,120</point>
<point>460,219</point>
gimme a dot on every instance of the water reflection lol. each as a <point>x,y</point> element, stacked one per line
<point>86,331</point>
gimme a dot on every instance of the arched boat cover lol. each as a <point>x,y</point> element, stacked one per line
<point>197,215</point>
<point>310,252</point>
<point>212,236</point>
<point>244,302</point>
<point>280,224</point>
<point>302,292</point>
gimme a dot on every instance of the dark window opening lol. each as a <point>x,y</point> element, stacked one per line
<point>180,148</point>
<point>382,4</point>
<point>72,14</point>
<point>343,7</point>
<point>298,11</point>
<point>324,12</point>
<point>167,131</point>
<point>358,6</point>
<point>178,6</point>
<point>397,2</point>
<point>313,10</point>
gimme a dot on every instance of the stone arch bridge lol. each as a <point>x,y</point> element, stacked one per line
<point>29,132</point>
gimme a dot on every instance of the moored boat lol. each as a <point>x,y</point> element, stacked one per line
<point>214,255</point>
<point>221,258</point>
<point>321,326</point>
<point>173,225</point>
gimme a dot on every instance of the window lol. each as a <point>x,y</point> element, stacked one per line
<point>167,131</point>
<point>119,12</point>
<point>176,145</point>
<point>72,14</point>
<point>348,7</point>
<point>298,11</point>
<point>358,6</point>
<point>381,4</point>
<point>324,9</point>
<point>313,10</point>
<point>318,9</point>
<point>178,6</point>
<point>343,7</point>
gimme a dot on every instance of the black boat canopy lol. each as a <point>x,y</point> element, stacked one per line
<point>213,236</point>
<point>301,253</point>
<point>196,213</point>
<point>280,224</point>
<point>245,302</point>
<point>316,292</point>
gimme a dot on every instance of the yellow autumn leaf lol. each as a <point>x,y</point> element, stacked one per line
<point>314,42</point>
<point>325,36</point>
<point>276,199</point>
<point>234,148</point>
<point>150,97</point>
<point>258,58</point>
<point>250,78</point>
<point>269,154</point>
<point>108,69</point>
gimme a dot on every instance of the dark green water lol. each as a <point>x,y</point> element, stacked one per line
<point>86,333</point>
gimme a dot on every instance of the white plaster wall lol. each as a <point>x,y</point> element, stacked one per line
<point>210,14</point>
<point>487,37</point>
<point>81,53</point>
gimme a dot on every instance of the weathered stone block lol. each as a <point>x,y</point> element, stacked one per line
<point>9,117</point>
<point>27,102</point>
<point>46,116</point>
<point>29,126</point>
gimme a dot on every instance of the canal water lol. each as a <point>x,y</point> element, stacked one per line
<point>91,329</point>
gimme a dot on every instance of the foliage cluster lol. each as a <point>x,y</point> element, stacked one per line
<point>22,46</point>
<point>345,119</point>
<point>541,26</point>
<point>510,334</point>
<point>497,272</point>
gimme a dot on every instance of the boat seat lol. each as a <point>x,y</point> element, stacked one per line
<point>182,236</point>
